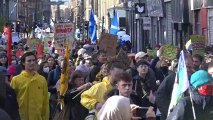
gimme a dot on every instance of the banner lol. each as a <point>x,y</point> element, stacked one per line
<point>198,44</point>
<point>108,43</point>
<point>63,32</point>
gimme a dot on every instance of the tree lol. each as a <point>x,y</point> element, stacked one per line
<point>2,22</point>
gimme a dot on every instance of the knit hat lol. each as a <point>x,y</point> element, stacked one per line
<point>200,78</point>
<point>142,63</point>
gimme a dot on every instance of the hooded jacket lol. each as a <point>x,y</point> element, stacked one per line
<point>203,106</point>
<point>32,96</point>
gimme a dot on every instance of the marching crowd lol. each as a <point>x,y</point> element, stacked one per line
<point>102,87</point>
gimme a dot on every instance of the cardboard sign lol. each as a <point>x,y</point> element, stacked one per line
<point>198,44</point>
<point>108,43</point>
<point>169,52</point>
<point>63,32</point>
<point>123,57</point>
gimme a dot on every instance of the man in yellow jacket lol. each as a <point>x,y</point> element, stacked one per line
<point>31,90</point>
<point>93,98</point>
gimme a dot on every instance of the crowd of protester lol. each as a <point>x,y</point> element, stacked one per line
<point>102,88</point>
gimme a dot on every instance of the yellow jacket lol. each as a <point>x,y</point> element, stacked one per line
<point>32,96</point>
<point>95,94</point>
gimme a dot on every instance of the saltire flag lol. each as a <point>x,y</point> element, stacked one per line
<point>92,28</point>
<point>64,76</point>
<point>8,31</point>
<point>181,82</point>
<point>115,24</point>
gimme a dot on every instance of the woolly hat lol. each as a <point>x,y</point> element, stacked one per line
<point>200,78</point>
<point>142,63</point>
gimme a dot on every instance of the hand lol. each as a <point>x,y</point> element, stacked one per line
<point>133,112</point>
<point>160,51</point>
<point>98,106</point>
<point>150,113</point>
<point>151,97</point>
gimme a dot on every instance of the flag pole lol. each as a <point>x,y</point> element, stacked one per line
<point>193,108</point>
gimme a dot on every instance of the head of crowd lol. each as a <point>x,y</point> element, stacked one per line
<point>134,86</point>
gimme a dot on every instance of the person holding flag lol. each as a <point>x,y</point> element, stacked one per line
<point>199,105</point>
<point>165,90</point>
<point>181,83</point>
<point>92,28</point>
<point>64,77</point>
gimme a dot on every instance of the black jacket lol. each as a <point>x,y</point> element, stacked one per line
<point>164,93</point>
<point>76,110</point>
<point>11,104</point>
<point>203,106</point>
<point>142,86</point>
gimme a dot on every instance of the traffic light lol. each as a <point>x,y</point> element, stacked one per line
<point>13,27</point>
<point>17,26</point>
<point>86,25</point>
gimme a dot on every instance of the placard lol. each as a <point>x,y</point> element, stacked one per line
<point>108,43</point>
<point>169,51</point>
<point>198,44</point>
<point>63,32</point>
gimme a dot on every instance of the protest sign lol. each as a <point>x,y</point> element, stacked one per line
<point>47,42</point>
<point>33,44</point>
<point>169,51</point>
<point>123,57</point>
<point>151,53</point>
<point>198,44</point>
<point>64,32</point>
<point>108,43</point>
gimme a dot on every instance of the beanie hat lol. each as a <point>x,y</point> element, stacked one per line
<point>143,62</point>
<point>200,78</point>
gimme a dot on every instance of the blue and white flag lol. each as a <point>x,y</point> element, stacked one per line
<point>92,28</point>
<point>114,24</point>
<point>181,82</point>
